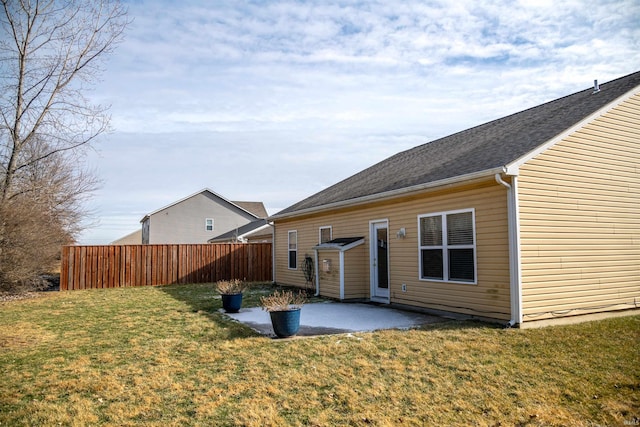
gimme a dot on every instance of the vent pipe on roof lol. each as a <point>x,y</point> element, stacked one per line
<point>596,87</point>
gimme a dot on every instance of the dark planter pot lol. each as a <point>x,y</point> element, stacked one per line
<point>231,302</point>
<point>285,323</point>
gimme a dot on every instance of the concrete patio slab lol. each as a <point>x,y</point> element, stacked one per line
<point>335,318</point>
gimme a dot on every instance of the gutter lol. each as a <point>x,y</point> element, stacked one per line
<point>389,194</point>
<point>515,274</point>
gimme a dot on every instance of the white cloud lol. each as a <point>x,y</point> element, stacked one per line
<point>298,95</point>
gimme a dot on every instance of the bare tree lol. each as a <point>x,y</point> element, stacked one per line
<point>43,214</point>
<point>51,51</point>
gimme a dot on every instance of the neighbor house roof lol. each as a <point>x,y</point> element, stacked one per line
<point>133,238</point>
<point>245,205</point>
<point>481,150</point>
<point>243,231</point>
<point>256,208</point>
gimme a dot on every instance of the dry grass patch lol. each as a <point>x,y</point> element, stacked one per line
<point>167,356</point>
<point>23,335</point>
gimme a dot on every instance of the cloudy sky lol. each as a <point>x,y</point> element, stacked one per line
<point>273,101</point>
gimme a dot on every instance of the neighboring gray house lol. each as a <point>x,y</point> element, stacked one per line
<point>134,238</point>
<point>197,218</point>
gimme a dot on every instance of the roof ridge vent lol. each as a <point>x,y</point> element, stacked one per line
<point>596,86</point>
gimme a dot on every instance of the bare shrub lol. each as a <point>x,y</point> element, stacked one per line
<point>230,287</point>
<point>31,243</point>
<point>283,301</point>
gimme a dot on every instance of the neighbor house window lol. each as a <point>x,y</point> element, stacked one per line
<point>293,250</point>
<point>325,234</point>
<point>447,246</point>
<point>208,224</point>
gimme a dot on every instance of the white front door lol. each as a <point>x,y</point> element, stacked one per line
<point>379,260</point>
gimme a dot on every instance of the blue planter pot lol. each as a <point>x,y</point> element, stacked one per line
<point>231,303</point>
<point>285,323</point>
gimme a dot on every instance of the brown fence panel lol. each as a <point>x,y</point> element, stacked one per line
<point>113,266</point>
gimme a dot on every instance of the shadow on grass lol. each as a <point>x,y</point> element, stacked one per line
<point>202,298</point>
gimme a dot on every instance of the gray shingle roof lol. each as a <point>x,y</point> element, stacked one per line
<point>256,208</point>
<point>481,148</point>
<point>240,231</point>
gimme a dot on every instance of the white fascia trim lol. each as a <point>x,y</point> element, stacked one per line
<point>336,247</point>
<point>391,194</point>
<point>513,168</point>
<point>249,233</point>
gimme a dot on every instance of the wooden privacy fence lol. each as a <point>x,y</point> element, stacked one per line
<point>113,266</point>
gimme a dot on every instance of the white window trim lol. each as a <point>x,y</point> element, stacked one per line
<point>289,250</point>
<point>213,224</point>
<point>444,247</point>
<point>320,233</point>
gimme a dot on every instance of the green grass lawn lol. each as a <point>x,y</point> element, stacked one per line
<point>166,356</point>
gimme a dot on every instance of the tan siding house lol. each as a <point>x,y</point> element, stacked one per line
<point>530,218</point>
<point>490,295</point>
<point>580,219</point>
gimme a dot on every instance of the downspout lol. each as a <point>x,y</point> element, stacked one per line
<point>514,248</point>
<point>317,273</point>
<point>273,255</point>
<point>341,275</point>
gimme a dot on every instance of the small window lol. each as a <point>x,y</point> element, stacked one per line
<point>208,224</point>
<point>293,250</point>
<point>447,246</point>
<point>325,234</point>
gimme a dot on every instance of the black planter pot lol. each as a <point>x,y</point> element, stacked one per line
<point>231,302</point>
<point>285,323</point>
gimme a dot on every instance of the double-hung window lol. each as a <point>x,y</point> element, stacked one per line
<point>324,234</point>
<point>448,246</point>
<point>293,250</point>
<point>208,224</point>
